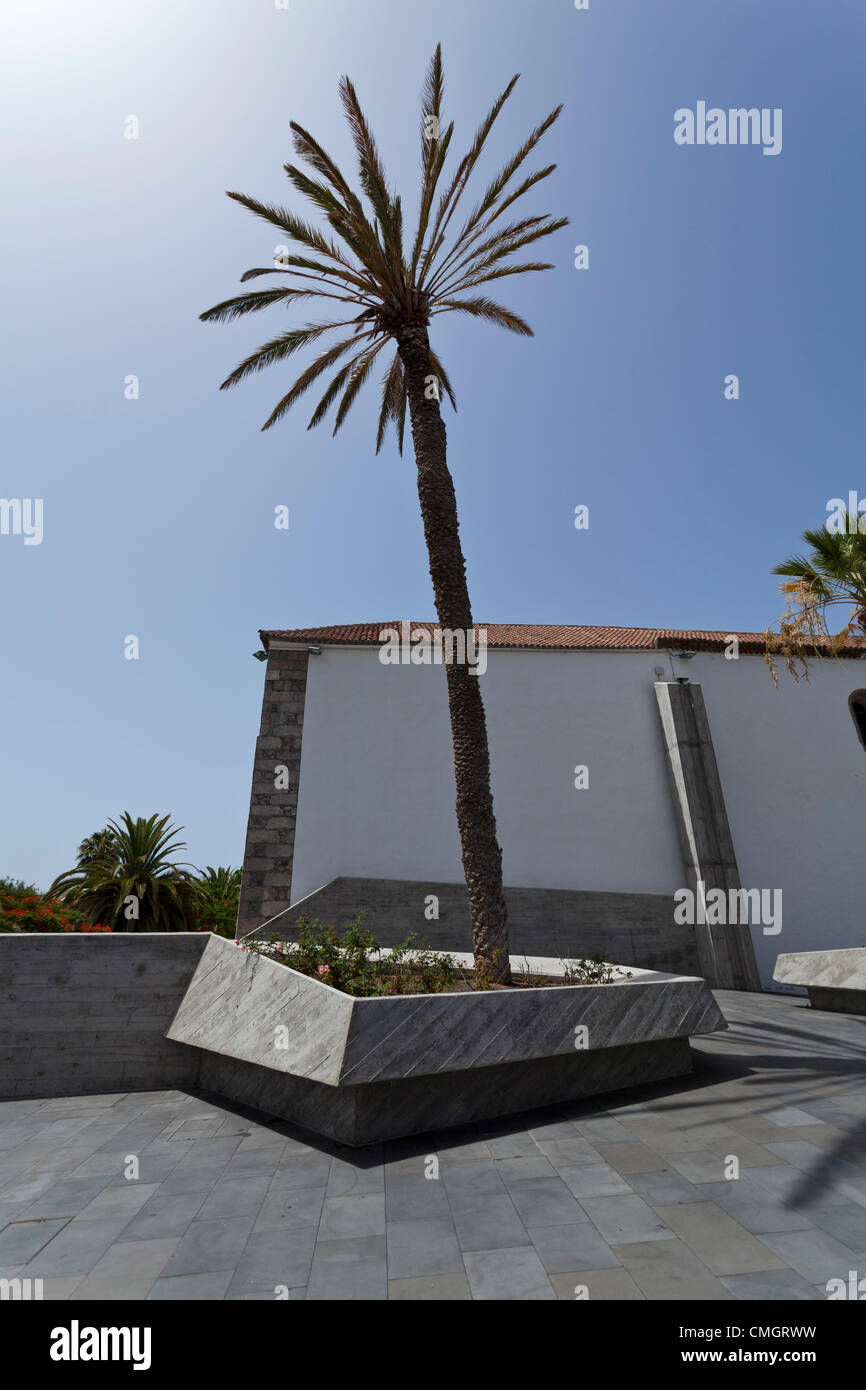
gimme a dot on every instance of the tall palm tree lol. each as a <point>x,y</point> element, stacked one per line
<point>831,575</point>
<point>142,868</point>
<point>390,289</point>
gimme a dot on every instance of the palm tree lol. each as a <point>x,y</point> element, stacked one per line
<point>390,290</point>
<point>220,890</point>
<point>100,845</point>
<point>831,574</point>
<point>141,873</point>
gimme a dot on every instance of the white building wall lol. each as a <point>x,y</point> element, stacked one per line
<point>376,793</point>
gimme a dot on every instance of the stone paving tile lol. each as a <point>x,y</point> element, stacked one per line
<point>181,1287</point>
<point>164,1215</point>
<point>517,1145</point>
<point>349,1269</point>
<point>623,1220</point>
<point>772,1286</point>
<point>23,1240</point>
<point>410,1196</point>
<point>814,1254</point>
<point>788,1115</point>
<point>288,1211</point>
<point>489,1223</point>
<point>698,1165</point>
<point>233,1196</point>
<point>668,1271</point>
<point>565,1248</point>
<point>513,1170</point>
<point>357,1215</point>
<point>466,1182</point>
<point>441,1288</point>
<point>124,1201</point>
<point>663,1189</point>
<point>597,1286</point>
<point>63,1199</point>
<point>301,1170</point>
<point>514,1275</point>
<point>724,1246</point>
<point>546,1202</point>
<point>632,1157</point>
<point>423,1247</point>
<point>847,1223</point>
<point>566,1152</point>
<point>76,1248</point>
<point>210,1245</point>
<point>602,1129</point>
<point>273,1260</point>
<point>347,1178</point>
<point>127,1270</point>
<point>559,1203</point>
<point>594,1180</point>
<point>755,1208</point>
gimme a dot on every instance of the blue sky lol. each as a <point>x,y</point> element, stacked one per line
<point>158,512</point>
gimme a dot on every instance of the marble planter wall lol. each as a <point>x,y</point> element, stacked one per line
<point>362,1070</point>
<point>834,980</point>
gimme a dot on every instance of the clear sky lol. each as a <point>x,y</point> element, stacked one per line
<point>158,512</point>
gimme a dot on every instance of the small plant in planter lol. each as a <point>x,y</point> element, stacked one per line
<point>357,963</point>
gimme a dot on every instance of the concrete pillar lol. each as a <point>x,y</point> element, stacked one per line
<point>267,877</point>
<point>726,953</point>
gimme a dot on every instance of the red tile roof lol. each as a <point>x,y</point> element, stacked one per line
<point>540,635</point>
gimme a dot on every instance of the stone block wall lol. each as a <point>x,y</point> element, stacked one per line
<point>85,1014</point>
<point>267,873</point>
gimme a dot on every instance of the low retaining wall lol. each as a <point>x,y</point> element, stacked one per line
<point>630,928</point>
<point>84,1014</point>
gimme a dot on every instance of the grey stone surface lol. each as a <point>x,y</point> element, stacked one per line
<point>366,1069</point>
<point>778,1059</point>
<point>82,1013</point>
<point>269,850</point>
<point>632,928</point>
<point>726,953</point>
<point>835,980</point>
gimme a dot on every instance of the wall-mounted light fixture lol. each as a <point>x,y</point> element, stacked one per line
<point>314,651</point>
<point>260,656</point>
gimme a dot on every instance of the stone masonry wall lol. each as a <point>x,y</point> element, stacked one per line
<point>80,1014</point>
<point>267,875</point>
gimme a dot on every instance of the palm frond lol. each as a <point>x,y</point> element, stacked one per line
<point>451,197</point>
<point>360,371</point>
<point>390,397</point>
<point>482,308</point>
<point>307,377</point>
<point>277,350</point>
<point>241,304</point>
<point>373,179</point>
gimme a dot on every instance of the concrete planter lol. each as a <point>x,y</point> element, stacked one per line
<point>364,1070</point>
<point>834,980</point>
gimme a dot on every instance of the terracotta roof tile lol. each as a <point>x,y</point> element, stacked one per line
<point>540,635</point>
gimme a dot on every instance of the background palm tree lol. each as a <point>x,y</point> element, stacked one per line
<point>142,868</point>
<point>218,906</point>
<point>100,845</point>
<point>391,289</point>
<point>831,575</point>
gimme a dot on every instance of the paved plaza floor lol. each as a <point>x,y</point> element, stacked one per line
<point>171,1195</point>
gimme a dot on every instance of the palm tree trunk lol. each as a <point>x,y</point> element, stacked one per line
<point>482,856</point>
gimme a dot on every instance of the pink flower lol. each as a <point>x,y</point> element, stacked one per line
<point>323,970</point>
